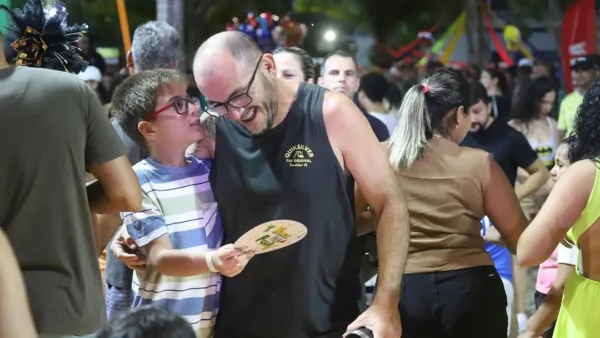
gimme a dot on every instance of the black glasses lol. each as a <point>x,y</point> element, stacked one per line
<point>181,105</point>
<point>237,102</point>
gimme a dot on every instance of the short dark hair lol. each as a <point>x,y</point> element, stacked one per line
<point>377,89</point>
<point>424,112</point>
<point>341,53</point>
<point>308,65</point>
<point>135,98</point>
<point>479,93</point>
<point>147,322</point>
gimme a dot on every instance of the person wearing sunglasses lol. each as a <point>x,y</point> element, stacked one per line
<point>284,150</point>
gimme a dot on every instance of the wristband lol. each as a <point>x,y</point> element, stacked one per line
<point>209,261</point>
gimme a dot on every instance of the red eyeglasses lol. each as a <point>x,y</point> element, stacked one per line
<point>181,105</point>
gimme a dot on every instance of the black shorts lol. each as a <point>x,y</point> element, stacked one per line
<point>539,298</point>
<point>466,303</point>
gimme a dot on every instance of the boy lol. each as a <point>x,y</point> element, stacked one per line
<point>179,228</point>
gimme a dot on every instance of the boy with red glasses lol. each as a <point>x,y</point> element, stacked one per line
<point>179,228</point>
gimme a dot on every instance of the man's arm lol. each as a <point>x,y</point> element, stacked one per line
<point>105,226</point>
<point>15,318</point>
<point>117,188</point>
<point>538,176</point>
<point>363,156</point>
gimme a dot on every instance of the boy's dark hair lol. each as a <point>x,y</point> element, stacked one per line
<point>479,93</point>
<point>135,98</point>
<point>147,322</point>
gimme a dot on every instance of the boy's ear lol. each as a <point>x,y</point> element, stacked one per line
<point>147,130</point>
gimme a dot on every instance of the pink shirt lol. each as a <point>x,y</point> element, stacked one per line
<point>547,273</point>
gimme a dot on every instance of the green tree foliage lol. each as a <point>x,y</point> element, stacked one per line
<point>103,19</point>
<point>396,20</point>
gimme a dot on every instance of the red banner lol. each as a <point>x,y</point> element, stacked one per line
<point>578,35</point>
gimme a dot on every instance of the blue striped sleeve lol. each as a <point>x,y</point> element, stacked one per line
<point>146,225</point>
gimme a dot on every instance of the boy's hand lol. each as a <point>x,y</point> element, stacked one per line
<point>230,261</point>
<point>125,250</point>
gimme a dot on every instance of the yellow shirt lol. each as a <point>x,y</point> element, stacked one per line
<point>568,112</point>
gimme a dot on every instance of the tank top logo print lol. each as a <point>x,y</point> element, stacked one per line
<point>299,155</point>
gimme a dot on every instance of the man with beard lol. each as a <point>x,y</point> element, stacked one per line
<point>284,151</point>
<point>509,147</point>
<point>511,150</point>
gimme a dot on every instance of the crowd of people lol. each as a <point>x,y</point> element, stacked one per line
<point>426,197</point>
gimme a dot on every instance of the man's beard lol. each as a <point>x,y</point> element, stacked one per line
<point>480,125</point>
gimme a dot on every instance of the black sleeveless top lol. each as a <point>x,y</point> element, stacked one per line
<point>309,289</point>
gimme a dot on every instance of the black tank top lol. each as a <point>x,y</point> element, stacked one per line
<point>309,289</point>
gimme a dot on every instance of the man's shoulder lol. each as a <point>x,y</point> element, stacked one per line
<point>48,76</point>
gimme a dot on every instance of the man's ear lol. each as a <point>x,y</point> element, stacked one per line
<point>129,61</point>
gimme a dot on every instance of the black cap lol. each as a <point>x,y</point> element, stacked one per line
<point>586,62</point>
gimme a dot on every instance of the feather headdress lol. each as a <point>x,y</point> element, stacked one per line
<point>41,37</point>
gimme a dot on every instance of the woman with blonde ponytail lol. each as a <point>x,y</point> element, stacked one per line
<point>450,288</point>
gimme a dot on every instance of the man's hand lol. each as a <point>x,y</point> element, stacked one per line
<point>382,320</point>
<point>230,261</point>
<point>127,252</point>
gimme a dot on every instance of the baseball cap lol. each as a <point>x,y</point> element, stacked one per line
<point>585,62</point>
<point>91,73</point>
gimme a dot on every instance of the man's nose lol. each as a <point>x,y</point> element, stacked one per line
<point>235,113</point>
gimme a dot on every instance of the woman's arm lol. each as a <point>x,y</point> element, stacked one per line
<point>563,207</point>
<point>15,318</point>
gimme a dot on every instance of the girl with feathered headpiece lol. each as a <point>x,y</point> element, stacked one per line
<point>41,37</point>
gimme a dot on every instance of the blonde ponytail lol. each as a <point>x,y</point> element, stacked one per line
<point>409,139</point>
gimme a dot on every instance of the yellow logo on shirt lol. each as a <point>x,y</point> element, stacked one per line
<point>299,155</point>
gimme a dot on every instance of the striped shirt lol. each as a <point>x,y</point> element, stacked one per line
<point>177,201</point>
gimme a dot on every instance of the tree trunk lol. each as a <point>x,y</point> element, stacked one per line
<point>171,12</point>
<point>554,23</point>
<point>475,34</point>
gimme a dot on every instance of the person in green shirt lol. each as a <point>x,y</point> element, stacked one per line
<point>586,70</point>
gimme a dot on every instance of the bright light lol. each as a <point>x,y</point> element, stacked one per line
<point>330,36</point>
<point>52,11</point>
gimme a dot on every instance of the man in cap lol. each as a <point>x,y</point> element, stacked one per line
<point>585,72</point>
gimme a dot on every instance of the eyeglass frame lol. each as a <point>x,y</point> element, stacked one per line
<point>227,103</point>
<point>188,100</point>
